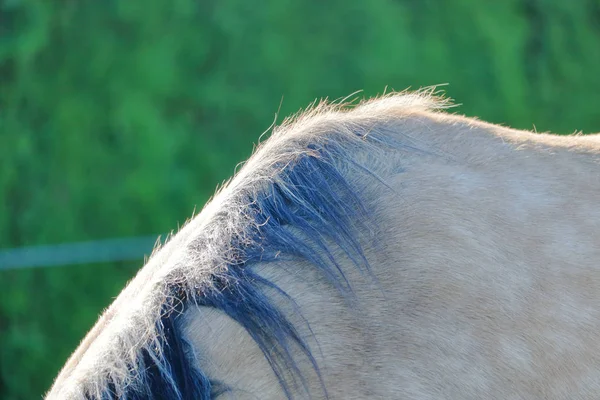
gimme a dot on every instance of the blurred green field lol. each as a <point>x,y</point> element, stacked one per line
<point>118,118</point>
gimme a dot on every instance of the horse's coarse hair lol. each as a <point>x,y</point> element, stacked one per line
<point>292,200</point>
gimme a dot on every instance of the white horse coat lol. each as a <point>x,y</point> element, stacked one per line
<point>387,251</point>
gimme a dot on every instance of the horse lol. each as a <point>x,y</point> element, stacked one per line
<point>385,248</point>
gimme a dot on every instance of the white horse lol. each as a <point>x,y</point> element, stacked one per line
<point>386,251</point>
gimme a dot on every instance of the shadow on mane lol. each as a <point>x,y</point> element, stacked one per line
<point>291,201</point>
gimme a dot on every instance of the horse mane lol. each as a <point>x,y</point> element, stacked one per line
<point>295,179</point>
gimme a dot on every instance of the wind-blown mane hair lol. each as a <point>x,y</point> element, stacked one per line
<point>292,200</point>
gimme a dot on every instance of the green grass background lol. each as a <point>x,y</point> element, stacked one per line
<point>117,118</point>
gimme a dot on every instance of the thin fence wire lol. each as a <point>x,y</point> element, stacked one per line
<point>97,251</point>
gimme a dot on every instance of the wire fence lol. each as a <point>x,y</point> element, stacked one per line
<point>97,251</point>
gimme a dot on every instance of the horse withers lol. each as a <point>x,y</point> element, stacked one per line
<point>388,250</point>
